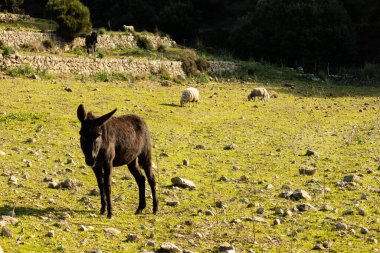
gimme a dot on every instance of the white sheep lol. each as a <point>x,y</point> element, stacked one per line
<point>259,92</point>
<point>189,95</point>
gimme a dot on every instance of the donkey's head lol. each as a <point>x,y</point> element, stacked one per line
<point>91,133</point>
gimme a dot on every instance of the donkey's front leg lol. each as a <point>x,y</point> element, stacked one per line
<point>99,177</point>
<point>107,187</point>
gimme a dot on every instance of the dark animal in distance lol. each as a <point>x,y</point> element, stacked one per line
<point>90,42</point>
<point>109,142</point>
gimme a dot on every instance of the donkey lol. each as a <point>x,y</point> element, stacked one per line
<point>91,41</point>
<point>109,142</point>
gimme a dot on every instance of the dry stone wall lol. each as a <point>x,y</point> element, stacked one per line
<point>18,38</point>
<point>87,66</point>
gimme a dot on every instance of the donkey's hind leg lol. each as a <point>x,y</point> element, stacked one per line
<point>140,179</point>
<point>145,161</point>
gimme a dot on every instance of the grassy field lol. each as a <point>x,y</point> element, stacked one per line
<point>340,123</point>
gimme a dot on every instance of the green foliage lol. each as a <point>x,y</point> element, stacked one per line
<point>72,16</point>
<point>20,117</point>
<point>101,54</point>
<point>79,51</point>
<point>143,42</point>
<point>370,71</point>
<point>102,31</point>
<point>27,71</point>
<point>7,50</point>
<point>12,5</point>
<point>104,76</point>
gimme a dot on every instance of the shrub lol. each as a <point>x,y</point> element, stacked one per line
<point>144,43</point>
<point>101,54</point>
<point>101,30</point>
<point>72,16</point>
<point>188,58</point>
<point>370,71</point>
<point>161,48</point>
<point>27,71</point>
<point>79,51</point>
<point>7,50</point>
<point>48,44</point>
<point>202,64</point>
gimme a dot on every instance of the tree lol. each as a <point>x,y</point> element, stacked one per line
<point>12,5</point>
<point>72,16</point>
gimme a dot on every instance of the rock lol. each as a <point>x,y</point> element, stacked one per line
<point>94,192</point>
<point>6,232</point>
<point>278,211</point>
<point>168,247</point>
<point>30,140</point>
<point>65,216</point>
<point>305,207</point>
<point>326,207</point>
<point>223,178</point>
<point>50,233</point>
<point>199,146</point>
<point>112,231</point>
<point>285,194</point>
<point>310,152</point>
<point>70,161</point>
<point>13,180</point>
<point>361,212</point>
<point>166,83</point>
<point>318,247</point>
<point>244,200</point>
<point>341,226</point>
<point>364,231</point>
<point>36,77</point>
<point>68,89</point>
<point>225,247</point>
<point>277,222</point>
<point>53,185</point>
<point>307,171</point>
<point>2,153</point>
<point>299,194</point>
<point>348,212</point>
<point>68,184</point>
<point>268,187</point>
<point>351,178</point>
<point>220,204</point>
<point>172,203</point>
<point>82,228</point>
<point>260,210</point>
<point>364,196</point>
<point>186,162</point>
<point>183,183</point>
<point>230,147</point>
<point>209,213</point>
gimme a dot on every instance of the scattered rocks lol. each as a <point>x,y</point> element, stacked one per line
<point>168,247</point>
<point>132,238</point>
<point>183,183</point>
<point>372,240</point>
<point>112,231</point>
<point>285,194</point>
<point>13,180</point>
<point>68,184</point>
<point>50,233</point>
<point>299,194</point>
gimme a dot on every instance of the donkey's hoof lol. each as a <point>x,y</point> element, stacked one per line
<point>138,211</point>
<point>155,211</point>
<point>102,211</point>
<point>110,216</point>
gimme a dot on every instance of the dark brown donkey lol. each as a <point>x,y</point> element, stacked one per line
<point>108,142</point>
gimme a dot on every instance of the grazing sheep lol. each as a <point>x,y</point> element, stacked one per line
<point>259,92</point>
<point>190,95</point>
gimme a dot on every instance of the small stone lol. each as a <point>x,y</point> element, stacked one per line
<point>82,228</point>
<point>372,240</point>
<point>310,152</point>
<point>235,168</point>
<point>68,183</point>
<point>2,153</point>
<point>209,213</point>
<point>52,201</point>
<point>68,89</point>
<point>260,210</point>
<point>341,226</point>
<point>168,247</point>
<point>364,231</point>
<point>278,211</point>
<point>350,178</point>
<point>305,207</point>
<point>94,192</point>
<point>277,222</point>
<point>30,140</point>
<point>348,212</point>
<point>199,146</point>
<point>225,247</point>
<point>120,198</point>
<point>50,233</point>
<point>268,187</point>
<point>150,243</point>
<point>364,196</point>
<point>13,180</point>
<point>244,200</point>
<point>183,183</point>
<point>318,247</point>
<point>326,207</point>
<point>220,204</point>
<point>65,216</point>
<point>172,203</point>
<point>361,212</point>
<point>53,185</point>
<point>6,232</point>
<point>307,171</point>
<point>112,231</point>
<point>285,194</point>
<point>223,178</point>
<point>186,162</point>
<point>70,161</point>
<point>230,147</point>
<point>299,194</point>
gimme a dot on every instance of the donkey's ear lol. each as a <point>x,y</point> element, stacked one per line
<point>81,113</point>
<point>103,119</point>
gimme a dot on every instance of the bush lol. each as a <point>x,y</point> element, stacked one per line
<point>101,54</point>
<point>79,51</point>
<point>144,43</point>
<point>161,48</point>
<point>101,30</point>
<point>48,44</point>
<point>370,71</point>
<point>72,16</point>
<point>27,71</point>
<point>7,50</point>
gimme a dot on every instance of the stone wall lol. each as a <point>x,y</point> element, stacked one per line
<point>87,66</point>
<point>18,38</point>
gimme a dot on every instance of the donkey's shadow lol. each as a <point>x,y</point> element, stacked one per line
<point>30,211</point>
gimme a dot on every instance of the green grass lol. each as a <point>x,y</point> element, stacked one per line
<point>34,24</point>
<point>271,139</point>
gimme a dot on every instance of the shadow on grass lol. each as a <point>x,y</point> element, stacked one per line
<point>172,105</point>
<point>30,211</point>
